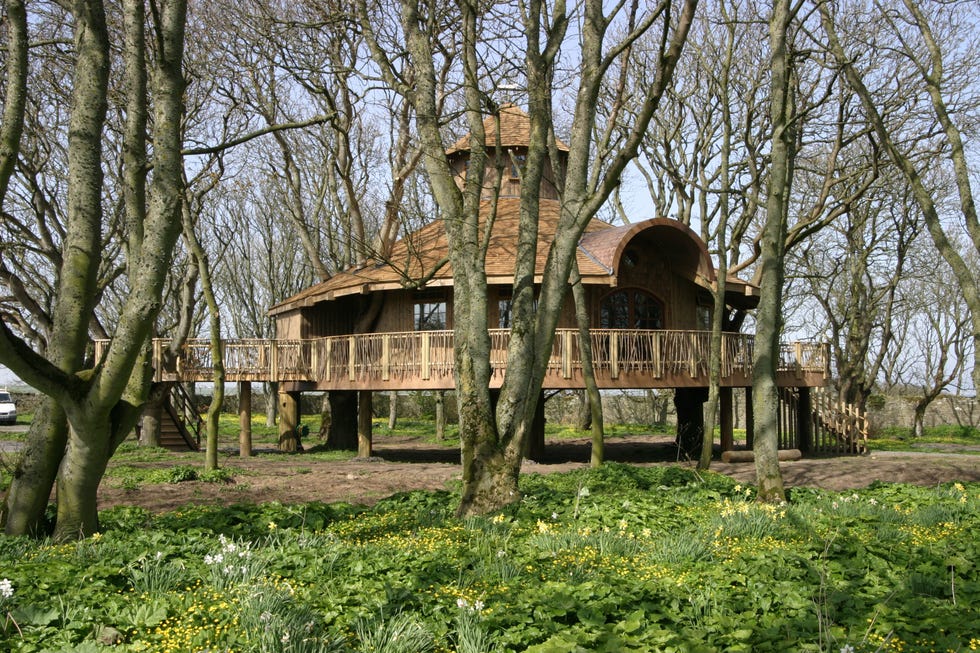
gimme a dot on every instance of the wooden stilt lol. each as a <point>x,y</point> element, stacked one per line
<point>244,419</point>
<point>725,419</point>
<point>364,424</point>
<point>749,420</point>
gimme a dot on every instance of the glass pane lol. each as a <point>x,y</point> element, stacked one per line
<point>430,316</point>
<point>648,313</point>
<point>614,312</point>
<point>503,309</point>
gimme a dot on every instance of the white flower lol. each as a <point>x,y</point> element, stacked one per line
<point>873,501</point>
<point>215,559</point>
<point>554,515</point>
<point>846,648</point>
<point>478,605</point>
<point>285,638</point>
<point>583,492</point>
<point>6,589</point>
<point>501,553</point>
<point>462,603</point>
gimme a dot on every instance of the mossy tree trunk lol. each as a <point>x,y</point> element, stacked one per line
<point>102,404</point>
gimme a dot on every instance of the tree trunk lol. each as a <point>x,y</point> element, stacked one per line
<point>765,397</point>
<point>489,480</point>
<point>103,406</point>
<point>342,434</point>
<point>78,483</point>
<point>213,420</point>
<point>583,417</point>
<point>36,470</point>
<point>289,415</point>
<point>152,416</point>
<point>392,410</point>
<point>535,441</point>
<point>214,333</point>
<point>919,419</point>
<point>689,403</point>
<point>591,394</point>
<point>440,397</point>
<point>271,404</point>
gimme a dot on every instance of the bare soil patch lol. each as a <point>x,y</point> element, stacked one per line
<point>404,464</point>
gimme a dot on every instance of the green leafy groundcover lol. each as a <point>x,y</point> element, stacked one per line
<point>616,559</point>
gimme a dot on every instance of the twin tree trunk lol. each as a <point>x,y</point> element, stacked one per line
<point>102,405</point>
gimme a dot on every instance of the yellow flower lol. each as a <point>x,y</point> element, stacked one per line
<point>273,526</point>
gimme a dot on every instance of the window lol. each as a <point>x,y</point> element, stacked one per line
<point>430,315</point>
<point>704,317</point>
<point>504,306</point>
<point>517,162</point>
<point>631,309</point>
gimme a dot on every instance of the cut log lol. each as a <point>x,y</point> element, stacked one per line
<point>748,456</point>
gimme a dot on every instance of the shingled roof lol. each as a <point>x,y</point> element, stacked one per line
<point>515,131</point>
<point>423,253</point>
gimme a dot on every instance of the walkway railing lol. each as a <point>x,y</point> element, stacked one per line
<point>426,359</point>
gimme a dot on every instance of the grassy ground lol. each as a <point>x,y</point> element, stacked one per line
<point>939,439</point>
<point>614,559</point>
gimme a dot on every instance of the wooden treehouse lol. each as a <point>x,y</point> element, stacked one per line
<point>648,287</point>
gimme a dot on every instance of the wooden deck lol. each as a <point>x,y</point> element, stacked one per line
<point>423,360</point>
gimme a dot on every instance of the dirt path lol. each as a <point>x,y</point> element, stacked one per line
<point>403,464</point>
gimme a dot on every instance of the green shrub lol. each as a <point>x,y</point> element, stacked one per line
<point>181,473</point>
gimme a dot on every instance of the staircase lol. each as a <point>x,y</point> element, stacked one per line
<point>180,422</point>
<point>827,425</point>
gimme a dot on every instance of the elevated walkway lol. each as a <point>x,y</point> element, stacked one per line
<point>424,360</point>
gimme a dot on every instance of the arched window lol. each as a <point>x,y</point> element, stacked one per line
<point>631,308</point>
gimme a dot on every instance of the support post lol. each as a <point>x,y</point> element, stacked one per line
<point>289,415</point>
<point>749,420</point>
<point>689,404</point>
<point>244,419</point>
<point>725,419</point>
<point>804,421</point>
<point>364,425</point>
<point>534,449</point>
<point>342,432</point>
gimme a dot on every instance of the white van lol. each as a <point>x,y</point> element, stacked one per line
<point>8,410</point>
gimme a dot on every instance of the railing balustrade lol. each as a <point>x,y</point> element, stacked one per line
<point>403,357</point>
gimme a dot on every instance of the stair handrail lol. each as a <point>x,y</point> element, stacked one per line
<point>186,409</point>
